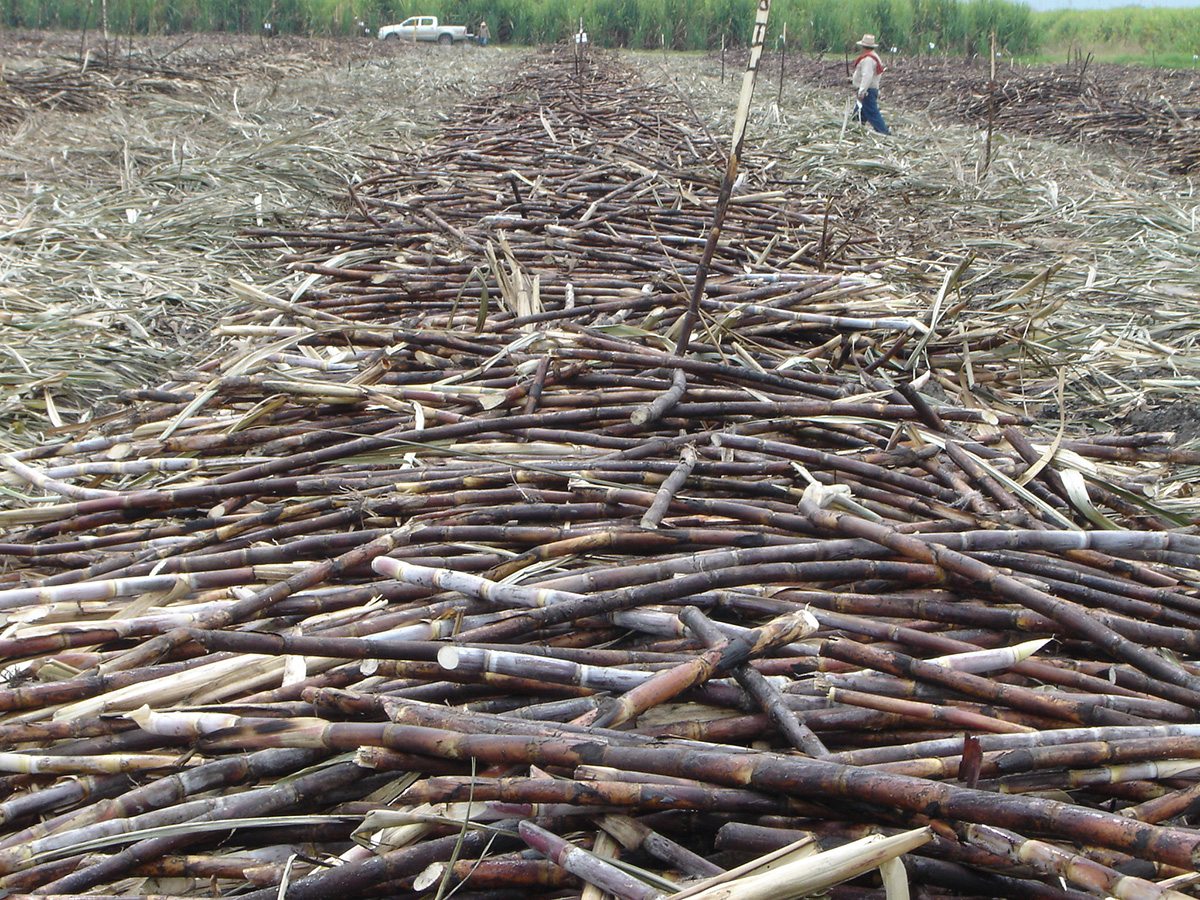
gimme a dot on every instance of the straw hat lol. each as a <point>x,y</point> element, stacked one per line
<point>868,40</point>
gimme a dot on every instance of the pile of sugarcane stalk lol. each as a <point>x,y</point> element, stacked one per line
<point>87,86</point>
<point>456,576</point>
<point>1080,101</point>
<point>46,89</point>
<point>72,76</point>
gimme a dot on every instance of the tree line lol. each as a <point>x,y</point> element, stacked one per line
<point>941,27</point>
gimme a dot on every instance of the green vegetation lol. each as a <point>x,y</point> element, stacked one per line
<point>952,27</point>
<point>1159,36</point>
<point>812,25</point>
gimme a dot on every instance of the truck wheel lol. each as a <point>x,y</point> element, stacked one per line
<point>445,40</point>
<point>392,36</point>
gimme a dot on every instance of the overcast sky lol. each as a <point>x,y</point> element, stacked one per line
<point>1104,4</point>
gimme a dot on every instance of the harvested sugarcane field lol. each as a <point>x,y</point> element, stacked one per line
<point>511,473</point>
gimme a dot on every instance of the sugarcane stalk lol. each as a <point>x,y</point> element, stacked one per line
<point>805,777</point>
<point>167,791</point>
<point>1081,780</point>
<point>1039,601</point>
<point>633,835</point>
<point>1071,866</point>
<point>812,874</point>
<point>959,718</point>
<point>44,481</point>
<point>242,868</point>
<point>650,797</point>
<point>662,404</point>
<point>1168,806</point>
<point>661,591</point>
<point>466,583</point>
<point>1074,711</point>
<point>604,846</point>
<point>494,873</point>
<point>63,841</point>
<point>1015,658</point>
<point>203,682</point>
<point>432,673</point>
<point>474,659</point>
<point>38,697</point>
<point>998,743</point>
<point>1058,756</point>
<point>587,866</point>
<point>662,500</point>
<point>252,803</point>
<point>732,653</point>
<point>352,878</point>
<point>250,606</point>
<point>66,794</point>
<point>756,685</point>
<point>85,765</point>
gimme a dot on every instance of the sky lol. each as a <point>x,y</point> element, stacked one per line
<point>1040,5</point>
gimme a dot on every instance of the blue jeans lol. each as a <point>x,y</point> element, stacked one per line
<point>868,111</point>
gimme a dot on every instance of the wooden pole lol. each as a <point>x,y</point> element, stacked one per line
<point>782,60</point>
<point>762,13</point>
<point>987,149</point>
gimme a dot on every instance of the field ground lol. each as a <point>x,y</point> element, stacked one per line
<point>121,224</point>
<point>1122,56</point>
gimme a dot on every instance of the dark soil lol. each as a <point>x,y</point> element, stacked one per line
<point>1181,417</point>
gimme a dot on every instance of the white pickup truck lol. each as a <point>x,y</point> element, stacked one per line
<point>424,28</point>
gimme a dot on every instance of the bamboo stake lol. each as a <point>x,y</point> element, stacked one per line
<point>757,39</point>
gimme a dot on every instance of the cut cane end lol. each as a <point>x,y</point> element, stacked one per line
<point>385,565</point>
<point>431,876</point>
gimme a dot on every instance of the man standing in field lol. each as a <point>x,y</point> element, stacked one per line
<point>867,69</point>
<point>484,33</point>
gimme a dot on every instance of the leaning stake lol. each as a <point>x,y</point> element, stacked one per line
<point>731,169</point>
